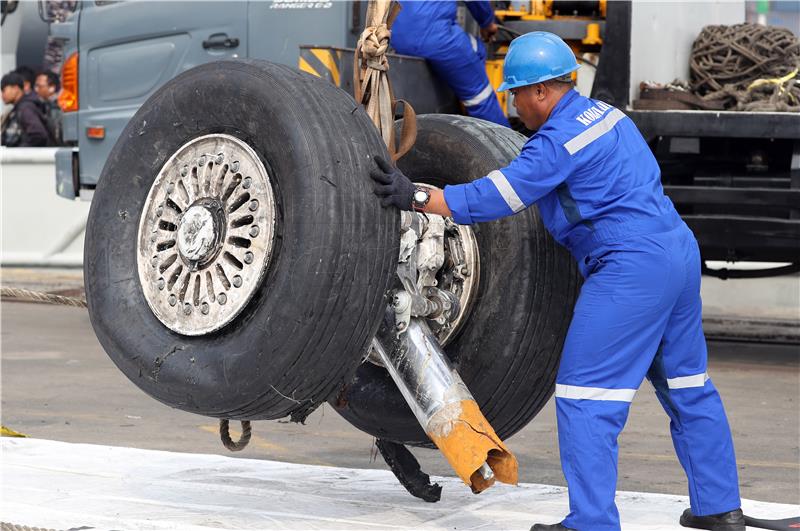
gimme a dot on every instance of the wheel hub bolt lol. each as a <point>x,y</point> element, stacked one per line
<point>253,205</point>
<point>220,158</point>
<point>237,281</point>
<point>201,161</point>
<point>159,211</point>
<point>204,308</point>
<point>248,257</point>
<point>161,283</point>
<point>222,298</point>
<point>235,166</point>
<point>253,231</point>
<point>187,308</point>
<point>184,171</point>
<point>247,182</point>
<point>197,233</point>
<point>170,188</point>
<point>172,300</point>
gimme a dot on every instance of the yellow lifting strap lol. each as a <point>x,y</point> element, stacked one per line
<point>371,79</point>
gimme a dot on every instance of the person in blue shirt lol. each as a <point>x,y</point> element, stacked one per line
<point>429,30</point>
<point>598,190</point>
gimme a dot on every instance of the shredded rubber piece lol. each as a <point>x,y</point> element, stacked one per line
<point>408,472</point>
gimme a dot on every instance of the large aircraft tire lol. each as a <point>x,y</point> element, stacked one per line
<point>253,179</point>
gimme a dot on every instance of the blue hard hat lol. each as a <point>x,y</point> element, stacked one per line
<point>536,57</point>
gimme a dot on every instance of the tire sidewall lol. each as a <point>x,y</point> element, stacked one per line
<point>230,372</point>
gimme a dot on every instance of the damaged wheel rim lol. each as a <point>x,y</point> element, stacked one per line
<point>446,266</point>
<point>460,276</point>
<point>206,234</point>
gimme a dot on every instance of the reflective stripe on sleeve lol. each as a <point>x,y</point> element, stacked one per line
<point>574,392</point>
<point>594,132</point>
<point>684,382</point>
<point>506,191</point>
<point>480,97</point>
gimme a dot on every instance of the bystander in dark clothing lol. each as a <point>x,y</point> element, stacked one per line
<point>25,125</point>
<point>47,87</point>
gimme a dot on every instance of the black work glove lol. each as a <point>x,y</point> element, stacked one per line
<point>392,186</point>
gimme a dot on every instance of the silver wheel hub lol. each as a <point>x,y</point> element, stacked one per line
<point>196,233</point>
<point>206,234</point>
<point>200,233</point>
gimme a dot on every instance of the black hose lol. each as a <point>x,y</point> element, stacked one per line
<point>725,273</point>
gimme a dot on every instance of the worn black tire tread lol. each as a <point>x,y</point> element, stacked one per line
<point>335,247</point>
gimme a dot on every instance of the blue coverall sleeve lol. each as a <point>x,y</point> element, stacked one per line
<point>482,12</point>
<point>540,168</point>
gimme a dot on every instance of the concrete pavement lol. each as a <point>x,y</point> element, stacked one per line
<point>57,383</point>
<point>81,486</point>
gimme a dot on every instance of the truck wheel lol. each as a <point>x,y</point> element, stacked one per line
<point>236,259</point>
<point>508,346</point>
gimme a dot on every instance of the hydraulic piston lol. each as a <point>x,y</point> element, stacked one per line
<point>445,408</point>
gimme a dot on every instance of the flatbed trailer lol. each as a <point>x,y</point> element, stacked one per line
<point>734,177</point>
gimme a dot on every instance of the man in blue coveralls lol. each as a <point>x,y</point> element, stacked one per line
<point>598,189</point>
<point>429,30</point>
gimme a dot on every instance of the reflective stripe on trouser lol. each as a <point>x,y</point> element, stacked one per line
<point>639,314</point>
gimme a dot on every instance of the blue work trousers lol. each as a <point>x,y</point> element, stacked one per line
<point>639,315</point>
<point>457,59</point>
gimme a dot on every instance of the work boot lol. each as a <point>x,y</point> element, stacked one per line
<point>550,527</point>
<point>730,521</point>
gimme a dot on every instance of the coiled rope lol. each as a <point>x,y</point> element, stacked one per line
<point>748,67</point>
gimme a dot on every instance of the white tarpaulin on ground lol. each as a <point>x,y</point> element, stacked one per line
<point>51,484</point>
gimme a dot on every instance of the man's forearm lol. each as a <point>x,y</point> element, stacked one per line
<point>437,204</point>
